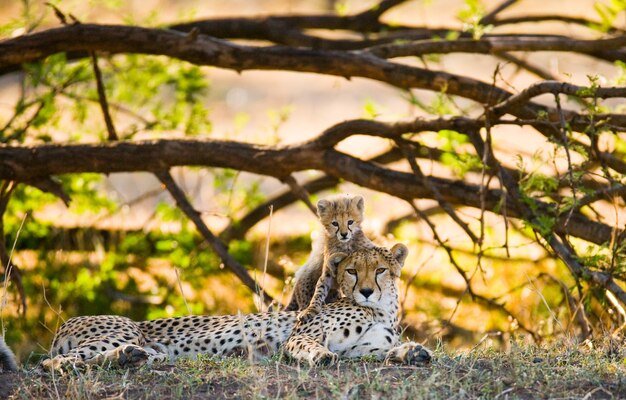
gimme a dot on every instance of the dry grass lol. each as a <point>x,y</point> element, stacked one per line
<point>556,371</point>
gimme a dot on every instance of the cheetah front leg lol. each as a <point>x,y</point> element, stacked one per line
<point>409,353</point>
<point>103,353</point>
<point>306,348</point>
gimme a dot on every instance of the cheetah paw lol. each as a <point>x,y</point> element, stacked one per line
<point>409,353</point>
<point>129,356</point>
<point>308,314</point>
<point>324,359</point>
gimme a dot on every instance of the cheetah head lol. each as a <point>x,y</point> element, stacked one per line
<point>341,216</point>
<point>369,276</point>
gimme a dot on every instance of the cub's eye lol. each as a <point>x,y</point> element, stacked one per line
<point>351,271</point>
<point>350,222</point>
<point>380,271</point>
<point>335,223</point>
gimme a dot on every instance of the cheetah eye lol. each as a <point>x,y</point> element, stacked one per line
<point>380,271</point>
<point>351,271</point>
<point>335,223</point>
<point>350,222</point>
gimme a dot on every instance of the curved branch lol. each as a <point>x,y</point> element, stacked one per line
<point>204,50</point>
<point>498,44</point>
<point>29,162</point>
<point>550,18</point>
<point>556,87</point>
<point>491,16</point>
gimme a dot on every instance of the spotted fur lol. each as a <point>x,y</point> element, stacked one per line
<point>363,322</point>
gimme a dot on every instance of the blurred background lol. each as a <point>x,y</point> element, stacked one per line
<point>122,247</point>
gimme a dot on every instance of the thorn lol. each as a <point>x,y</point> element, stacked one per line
<point>58,13</point>
<point>192,36</point>
<point>75,20</point>
<point>53,186</point>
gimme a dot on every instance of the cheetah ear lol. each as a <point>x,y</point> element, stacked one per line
<point>400,252</point>
<point>335,259</point>
<point>359,203</point>
<point>322,207</point>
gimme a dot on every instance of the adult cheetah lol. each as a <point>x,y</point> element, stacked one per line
<point>364,322</point>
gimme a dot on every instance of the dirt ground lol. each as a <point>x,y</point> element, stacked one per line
<point>560,370</point>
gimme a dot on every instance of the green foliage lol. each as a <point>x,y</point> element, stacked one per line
<point>471,15</point>
<point>234,196</point>
<point>278,118</point>
<point>341,8</point>
<point>370,109</point>
<point>454,157</point>
<point>537,184</point>
<point>442,104</point>
<point>171,91</point>
<point>608,14</point>
<point>621,77</point>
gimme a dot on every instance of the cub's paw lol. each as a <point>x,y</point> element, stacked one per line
<point>323,358</point>
<point>410,353</point>
<point>130,355</point>
<point>308,314</point>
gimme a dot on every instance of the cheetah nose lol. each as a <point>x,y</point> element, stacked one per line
<point>366,292</point>
<point>344,235</point>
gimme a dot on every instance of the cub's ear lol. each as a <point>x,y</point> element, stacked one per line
<point>322,207</point>
<point>400,252</point>
<point>334,260</point>
<point>359,203</point>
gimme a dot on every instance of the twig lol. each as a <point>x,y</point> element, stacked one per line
<point>490,17</point>
<point>468,287</point>
<point>103,99</point>
<point>410,156</point>
<point>576,308</point>
<point>533,69</point>
<point>545,303</point>
<point>182,292</point>
<point>550,17</point>
<point>570,167</point>
<point>267,250</point>
<point>556,88</point>
<point>300,192</point>
<point>212,240</point>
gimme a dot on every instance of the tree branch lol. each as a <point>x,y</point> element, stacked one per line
<point>30,162</point>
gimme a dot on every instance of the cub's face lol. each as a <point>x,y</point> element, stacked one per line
<point>341,216</point>
<point>369,276</point>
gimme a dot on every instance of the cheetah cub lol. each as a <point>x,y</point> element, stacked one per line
<point>316,283</point>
